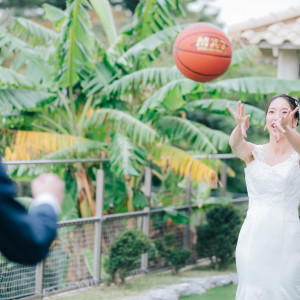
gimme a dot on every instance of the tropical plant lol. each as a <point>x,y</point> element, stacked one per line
<point>92,98</point>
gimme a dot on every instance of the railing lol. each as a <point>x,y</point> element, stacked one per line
<point>78,255</point>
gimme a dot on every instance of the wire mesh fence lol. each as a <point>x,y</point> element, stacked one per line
<point>70,263</point>
<point>77,256</point>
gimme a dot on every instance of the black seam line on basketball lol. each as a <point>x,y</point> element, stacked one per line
<point>213,75</point>
<point>202,53</point>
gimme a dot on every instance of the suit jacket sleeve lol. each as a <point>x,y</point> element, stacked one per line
<point>25,237</point>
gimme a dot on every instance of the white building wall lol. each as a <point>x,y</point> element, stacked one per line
<point>288,64</point>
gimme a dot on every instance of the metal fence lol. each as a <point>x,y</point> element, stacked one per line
<point>78,254</point>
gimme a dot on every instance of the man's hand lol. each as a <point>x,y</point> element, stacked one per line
<point>48,183</point>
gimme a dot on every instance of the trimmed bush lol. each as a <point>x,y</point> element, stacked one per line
<point>125,253</point>
<point>177,257</point>
<point>218,237</point>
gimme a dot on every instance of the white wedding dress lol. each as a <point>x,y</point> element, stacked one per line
<point>268,248</point>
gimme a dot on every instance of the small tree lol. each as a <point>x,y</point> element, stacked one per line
<point>177,257</point>
<point>125,253</point>
<point>217,238</point>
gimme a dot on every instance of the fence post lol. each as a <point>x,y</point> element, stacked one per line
<point>146,218</point>
<point>39,278</point>
<point>223,180</point>
<point>98,226</point>
<point>186,235</point>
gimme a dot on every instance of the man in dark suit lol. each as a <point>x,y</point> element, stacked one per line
<point>25,237</point>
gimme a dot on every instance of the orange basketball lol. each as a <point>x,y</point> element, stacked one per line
<point>202,52</point>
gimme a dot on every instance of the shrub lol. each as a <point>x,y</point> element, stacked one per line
<point>125,253</point>
<point>217,238</point>
<point>177,257</point>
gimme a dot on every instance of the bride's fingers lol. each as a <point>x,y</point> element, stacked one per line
<point>242,111</point>
<point>231,111</point>
<point>294,111</point>
<point>239,107</point>
<point>280,128</point>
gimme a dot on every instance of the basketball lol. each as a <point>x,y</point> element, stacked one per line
<point>202,52</point>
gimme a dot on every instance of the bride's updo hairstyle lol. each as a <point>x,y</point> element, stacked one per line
<point>294,103</point>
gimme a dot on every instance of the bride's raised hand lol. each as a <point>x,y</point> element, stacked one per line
<point>240,118</point>
<point>282,123</point>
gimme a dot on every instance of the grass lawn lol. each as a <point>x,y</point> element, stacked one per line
<point>140,285</point>
<point>223,292</point>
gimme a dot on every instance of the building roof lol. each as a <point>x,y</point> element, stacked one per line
<point>281,29</point>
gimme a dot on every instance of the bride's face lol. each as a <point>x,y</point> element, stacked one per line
<point>277,109</point>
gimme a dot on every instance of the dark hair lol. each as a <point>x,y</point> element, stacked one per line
<point>294,103</point>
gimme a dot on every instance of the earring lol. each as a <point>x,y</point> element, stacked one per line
<point>265,128</point>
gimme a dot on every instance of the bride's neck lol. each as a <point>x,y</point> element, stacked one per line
<point>282,147</point>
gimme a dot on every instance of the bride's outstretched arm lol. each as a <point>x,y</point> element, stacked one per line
<point>240,147</point>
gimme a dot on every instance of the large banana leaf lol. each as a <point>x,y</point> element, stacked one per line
<point>179,130</point>
<point>153,77</point>
<point>21,99</point>
<point>11,79</point>
<point>219,106</point>
<point>55,15</point>
<point>33,33</point>
<point>103,10</point>
<point>126,158</point>
<point>182,163</point>
<point>254,85</point>
<point>199,137</point>
<point>77,45</point>
<point>153,16</point>
<point>30,145</point>
<point>18,54</point>
<point>170,95</point>
<point>164,37</point>
<point>138,131</point>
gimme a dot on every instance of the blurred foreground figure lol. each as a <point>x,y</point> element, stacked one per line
<point>25,237</point>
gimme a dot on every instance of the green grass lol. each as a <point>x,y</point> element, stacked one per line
<point>140,285</point>
<point>224,292</point>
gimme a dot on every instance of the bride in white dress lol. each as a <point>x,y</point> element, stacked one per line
<point>268,248</point>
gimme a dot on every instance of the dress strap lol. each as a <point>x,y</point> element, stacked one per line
<point>258,152</point>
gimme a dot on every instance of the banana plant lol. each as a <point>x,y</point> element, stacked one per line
<point>88,98</point>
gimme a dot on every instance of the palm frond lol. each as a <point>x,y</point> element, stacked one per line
<point>218,106</point>
<point>138,131</point>
<point>170,95</point>
<point>30,144</point>
<point>33,33</point>
<point>126,158</point>
<point>182,163</point>
<point>149,77</point>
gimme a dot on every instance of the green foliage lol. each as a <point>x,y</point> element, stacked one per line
<point>177,257</point>
<point>125,253</point>
<point>217,238</point>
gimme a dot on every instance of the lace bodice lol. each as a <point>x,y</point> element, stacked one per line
<point>273,190</point>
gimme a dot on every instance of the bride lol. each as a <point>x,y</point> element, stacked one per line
<point>268,248</point>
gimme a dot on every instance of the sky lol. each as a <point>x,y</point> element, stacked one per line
<point>237,11</point>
